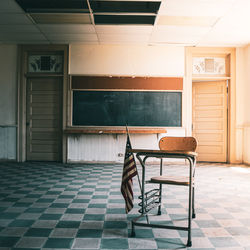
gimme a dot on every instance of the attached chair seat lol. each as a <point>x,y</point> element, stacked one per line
<point>174,180</point>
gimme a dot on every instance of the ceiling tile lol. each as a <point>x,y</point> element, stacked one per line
<point>124,29</point>
<point>67,28</point>
<point>178,34</point>
<point>195,7</point>
<point>72,37</point>
<point>18,29</point>
<point>9,6</point>
<point>14,19</point>
<point>20,37</point>
<point>121,39</point>
<point>187,20</point>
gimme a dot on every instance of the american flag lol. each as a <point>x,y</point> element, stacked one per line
<point>129,171</point>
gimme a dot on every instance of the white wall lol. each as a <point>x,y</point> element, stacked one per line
<point>126,60</point>
<point>243,103</point>
<point>8,100</point>
<point>120,61</point>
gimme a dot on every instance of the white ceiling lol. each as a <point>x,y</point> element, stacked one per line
<point>179,22</point>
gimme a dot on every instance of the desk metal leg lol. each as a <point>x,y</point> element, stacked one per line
<point>190,202</point>
<point>160,190</point>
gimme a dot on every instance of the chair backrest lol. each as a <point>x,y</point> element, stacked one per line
<point>178,143</point>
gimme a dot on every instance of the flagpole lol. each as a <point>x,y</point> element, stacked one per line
<point>138,177</point>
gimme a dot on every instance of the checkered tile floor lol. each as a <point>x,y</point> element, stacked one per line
<point>77,206</point>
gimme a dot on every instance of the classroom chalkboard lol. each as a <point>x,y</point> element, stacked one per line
<point>132,108</point>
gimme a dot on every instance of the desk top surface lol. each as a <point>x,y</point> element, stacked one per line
<point>163,152</point>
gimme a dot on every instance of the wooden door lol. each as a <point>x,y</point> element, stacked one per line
<point>44,119</point>
<point>210,120</point>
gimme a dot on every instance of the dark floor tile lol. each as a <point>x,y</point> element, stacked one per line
<point>59,205</point>
<point>68,224</point>
<point>59,243</point>
<point>89,233</point>
<point>8,241</point>
<point>38,232</point>
<point>6,216</point>
<point>81,201</point>
<point>50,216</point>
<point>114,244</point>
<point>75,211</point>
<point>115,224</point>
<point>142,233</point>
<point>43,200</point>
<point>116,211</point>
<point>22,204</point>
<point>35,210</point>
<point>95,217</point>
<point>97,205</point>
<point>21,223</point>
<point>170,243</point>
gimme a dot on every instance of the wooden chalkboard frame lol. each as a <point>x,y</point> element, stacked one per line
<point>119,84</point>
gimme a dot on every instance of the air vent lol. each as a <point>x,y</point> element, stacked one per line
<point>53,6</point>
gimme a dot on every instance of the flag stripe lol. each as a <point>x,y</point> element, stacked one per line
<point>129,171</point>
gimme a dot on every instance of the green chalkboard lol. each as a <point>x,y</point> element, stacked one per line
<point>134,108</point>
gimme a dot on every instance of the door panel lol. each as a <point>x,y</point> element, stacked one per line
<point>44,119</point>
<point>210,120</point>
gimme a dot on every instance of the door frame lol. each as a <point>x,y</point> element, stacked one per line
<point>230,55</point>
<point>23,75</point>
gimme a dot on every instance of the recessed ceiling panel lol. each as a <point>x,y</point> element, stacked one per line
<point>124,19</point>
<point>53,6</point>
<point>124,6</point>
<point>65,18</point>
